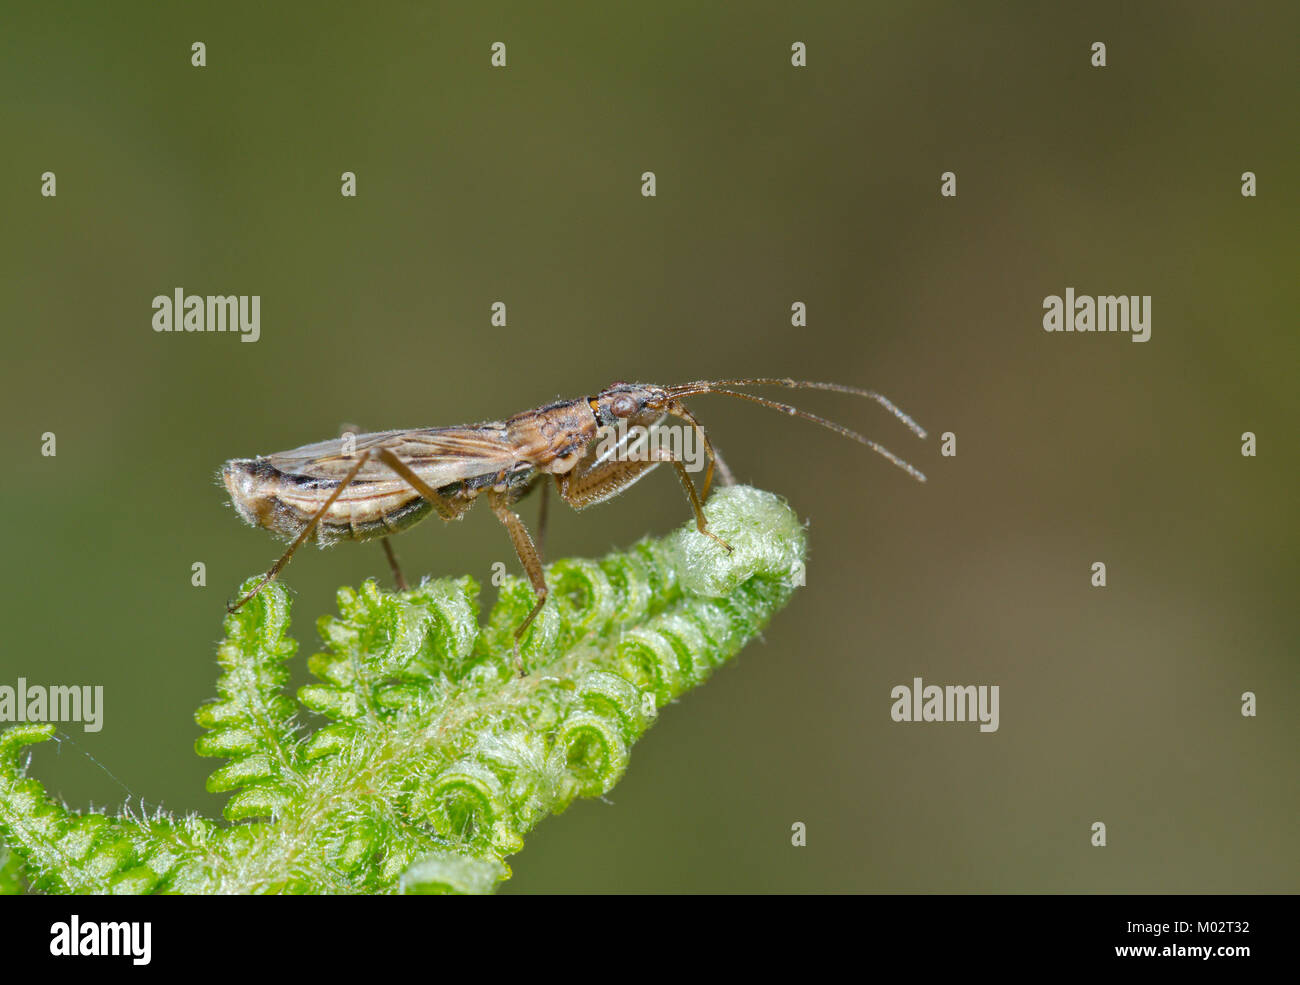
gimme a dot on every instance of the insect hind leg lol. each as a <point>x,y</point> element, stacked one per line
<point>389,553</point>
<point>303,534</point>
<point>447,509</point>
<point>352,430</point>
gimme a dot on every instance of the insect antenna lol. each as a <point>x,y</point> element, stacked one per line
<point>718,387</point>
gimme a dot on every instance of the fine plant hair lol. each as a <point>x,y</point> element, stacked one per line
<point>418,760</point>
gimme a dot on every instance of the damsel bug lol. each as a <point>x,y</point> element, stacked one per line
<point>368,486</point>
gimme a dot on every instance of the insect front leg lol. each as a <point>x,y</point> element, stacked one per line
<point>303,534</point>
<point>587,484</point>
<point>528,557</point>
<point>678,409</point>
<point>701,524</point>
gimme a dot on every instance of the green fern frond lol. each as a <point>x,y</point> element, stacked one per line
<point>11,880</point>
<point>434,758</point>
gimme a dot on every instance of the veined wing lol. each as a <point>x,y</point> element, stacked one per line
<point>439,456</point>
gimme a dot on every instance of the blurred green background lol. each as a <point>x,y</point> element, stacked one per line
<point>775,184</point>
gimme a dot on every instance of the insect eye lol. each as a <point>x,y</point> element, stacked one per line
<point>623,405</point>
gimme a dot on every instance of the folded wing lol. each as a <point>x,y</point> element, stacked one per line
<point>439,456</point>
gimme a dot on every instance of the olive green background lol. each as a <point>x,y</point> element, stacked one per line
<point>775,184</point>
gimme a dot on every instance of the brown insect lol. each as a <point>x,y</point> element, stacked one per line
<point>369,486</point>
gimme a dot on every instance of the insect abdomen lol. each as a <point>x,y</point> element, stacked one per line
<point>284,504</point>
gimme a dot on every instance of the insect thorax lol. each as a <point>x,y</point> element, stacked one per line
<point>553,438</point>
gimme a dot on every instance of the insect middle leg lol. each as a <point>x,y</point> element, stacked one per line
<point>543,511</point>
<point>528,557</point>
<point>724,472</point>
